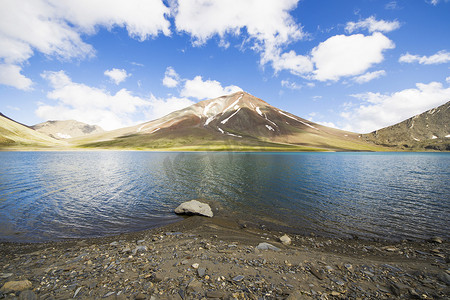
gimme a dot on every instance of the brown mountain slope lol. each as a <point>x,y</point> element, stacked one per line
<point>237,121</point>
<point>14,134</point>
<point>66,129</point>
<point>429,130</point>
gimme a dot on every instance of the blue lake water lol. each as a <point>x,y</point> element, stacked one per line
<point>57,195</point>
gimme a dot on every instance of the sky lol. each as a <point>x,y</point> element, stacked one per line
<point>355,65</point>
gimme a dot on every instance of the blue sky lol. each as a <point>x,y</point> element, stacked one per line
<point>355,65</point>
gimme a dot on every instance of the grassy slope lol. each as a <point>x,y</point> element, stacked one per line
<point>16,136</point>
<point>199,139</point>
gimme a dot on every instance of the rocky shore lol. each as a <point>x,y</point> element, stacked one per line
<point>218,258</point>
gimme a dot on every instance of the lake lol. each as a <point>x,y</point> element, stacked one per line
<point>57,195</point>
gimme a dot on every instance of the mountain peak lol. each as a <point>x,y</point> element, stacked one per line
<point>239,114</point>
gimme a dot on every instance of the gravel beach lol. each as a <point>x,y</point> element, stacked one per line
<point>223,258</point>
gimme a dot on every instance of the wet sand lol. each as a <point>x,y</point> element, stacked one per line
<point>217,258</point>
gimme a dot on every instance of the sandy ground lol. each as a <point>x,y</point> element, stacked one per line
<point>218,258</point>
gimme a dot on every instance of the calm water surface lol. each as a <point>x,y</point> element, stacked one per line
<point>57,195</point>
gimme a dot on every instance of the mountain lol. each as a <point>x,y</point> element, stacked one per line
<point>238,121</point>
<point>14,134</point>
<point>66,129</point>
<point>429,130</point>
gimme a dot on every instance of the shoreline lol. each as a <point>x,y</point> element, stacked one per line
<point>217,257</point>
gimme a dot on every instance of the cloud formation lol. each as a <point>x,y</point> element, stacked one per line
<point>55,28</point>
<point>10,75</point>
<point>98,106</point>
<point>266,26</point>
<point>372,25</point>
<point>376,110</point>
<point>439,58</point>
<point>171,78</point>
<point>117,75</point>
<point>369,76</point>
<point>206,89</point>
<point>290,85</point>
<point>342,55</point>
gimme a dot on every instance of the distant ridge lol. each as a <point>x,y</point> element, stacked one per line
<point>66,129</point>
<point>428,130</point>
<point>4,116</point>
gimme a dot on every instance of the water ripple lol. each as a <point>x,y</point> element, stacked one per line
<point>57,195</point>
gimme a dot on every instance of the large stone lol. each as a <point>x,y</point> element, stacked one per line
<point>16,286</point>
<point>194,207</point>
<point>267,246</point>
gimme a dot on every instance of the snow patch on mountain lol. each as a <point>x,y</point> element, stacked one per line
<point>226,120</point>
<point>304,123</point>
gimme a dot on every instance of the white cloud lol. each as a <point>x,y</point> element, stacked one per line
<point>447,79</point>
<point>161,107</point>
<point>117,75</point>
<point>372,25</point>
<point>369,76</point>
<point>97,106</point>
<point>296,64</point>
<point>439,58</point>
<point>10,75</point>
<point>199,89</point>
<point>171,78</point>
<point>290,85</point>
<point>265,21</point>
<point>266,25</point>
<point>343,55</point>
<point>55,28</point>
<point>378,110</point>
<point>391,5</point>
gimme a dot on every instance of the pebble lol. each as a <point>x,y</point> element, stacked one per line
<point>238,278</point>
<point>108,294</point>
<point>201,272</point>
<point>194,286</point>
<point>76,292</point>
<point>285,240</point>
<point>195,266</point>
<point>215,294</point>
<point>436,239</point>
<point>140,249</point>
<point>28,295</point>
<point>5,275</point>
<point>316,273</point>
<point>390,248</point>
<point>16,286</point>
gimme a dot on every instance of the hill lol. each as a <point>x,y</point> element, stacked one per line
<point>238,121</point>
<point>66,129</point>
<point>429,130</point>
<point>14,134</point>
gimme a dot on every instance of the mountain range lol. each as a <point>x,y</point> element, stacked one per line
<point>238,122</point>
<point>16,135</point>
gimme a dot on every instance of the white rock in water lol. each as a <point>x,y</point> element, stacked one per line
<point>285,240</point>
<point>194,207</point>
